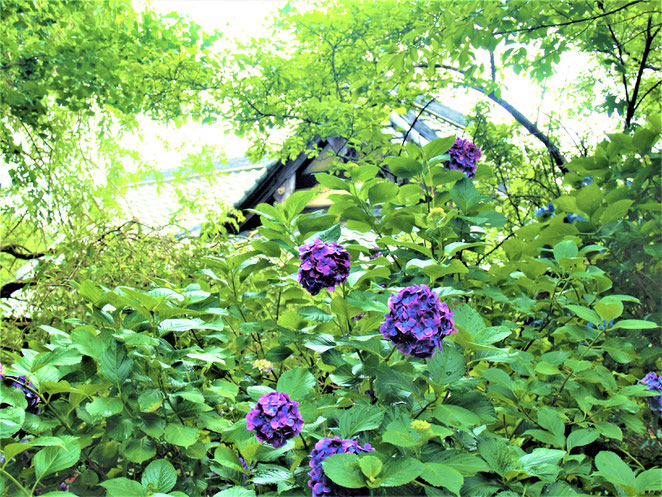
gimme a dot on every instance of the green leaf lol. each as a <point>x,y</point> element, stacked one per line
<point>150,400</point>
<point>585,313</point>
<point>320,342</point>
<point>550,419</point>
<point>441,475</point>
<point>614,470</point>
<point>178,434</point>
<point>329,235</point>
<point>543,463</point>
<point>467,319</point>
<point>438,146</point>
<point>370,466</point>
<point>296,202</point>
<point>565,249</point>
<point>403,167</point>
<point>332,182</point>
<point>298,383</point>
<point>161,474</point>
<point>316,314</point>
<point>464,193</point>
<point>580,437</point>
<point>123,487</point>
<point>344,470</point>
<point>269,474</point>
<point>358,419</point>
<point>401,471</point>
<point>308,224</point>
<point>493,334</point>
<point>609,308</point>
<point>465,464</point>
<point>635,324</point>
<point>650,480</point>
<point>236,492</point>
<point>105,406</point>
<point>447,366</point>
<point>455,416</point>
<point>400,433</point>
<point>140,450</point>
<point>52,459</point>
<point>13,415</point>
<point>114,365</point>
<point>609,430</point>
<point>382,192</point>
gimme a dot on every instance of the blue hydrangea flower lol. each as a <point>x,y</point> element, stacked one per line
<point>463,156</point>
<point>319,483</point>
<point>323,265</point>
<point>417,321</point>
<point>275,419</point>
<point>654,383</point>
<point>26,386</point>
<point>546,210</point>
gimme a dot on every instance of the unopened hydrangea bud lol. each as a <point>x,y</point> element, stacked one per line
<point>417,321</point>
<point>275,419</point>
<point>654,383</point>
<point>323,265</point>
<point>463,156</point>
<point>263,365</point>
<point>436,214</point>
<point>419,425</point>
<point>319,483</point>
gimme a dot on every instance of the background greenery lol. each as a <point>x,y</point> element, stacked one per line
<point>142,347</point>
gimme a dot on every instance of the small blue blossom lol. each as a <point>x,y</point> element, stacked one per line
<point>275,419</point>
<point>603,325</point>
<point>546,210</point>
<point>417,321</point>
<point>319,483</point>
<point>571,218</point>
<point>587,180</point>
<point>654,383</point>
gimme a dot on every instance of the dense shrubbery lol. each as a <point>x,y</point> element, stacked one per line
<point>538,393</point>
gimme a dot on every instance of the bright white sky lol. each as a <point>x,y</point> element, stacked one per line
<point>243,19</point>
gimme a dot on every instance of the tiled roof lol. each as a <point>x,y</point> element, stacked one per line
<point>157,204</point>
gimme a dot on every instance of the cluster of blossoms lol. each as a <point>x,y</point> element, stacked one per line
<point>319,483</point>
<point>571,218</point>
<point>323,265</point>
<point>464,156</point>
<point>26,386</point>
<point>417,321</point>
<point>275,419</point>
<point>654,383</point>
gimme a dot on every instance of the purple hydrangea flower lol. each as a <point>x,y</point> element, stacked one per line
<point>275,419</point>
<point>464,156</point>
<point>321,485</point>
<point>26,386</point>
<point>417,321</point>
<point>654,383</point>
<point>323,265</point>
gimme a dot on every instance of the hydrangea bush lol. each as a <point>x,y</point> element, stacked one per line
<point>483,363</point>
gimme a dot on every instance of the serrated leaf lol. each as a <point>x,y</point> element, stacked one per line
<point>178,434</point>
<point>441,475</point>
<point>161,474</point>
<point>401,471</point>
<point>447,366</point>
<point>298,383</point>
<point>614,470</point>
<point>123,487</point>
<point>344,470</point>
<point>580,437</point>
<point>52,459</point>
<point>371,466</point>
<point>358,419</point>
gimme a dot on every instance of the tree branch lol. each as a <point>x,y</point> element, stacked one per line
<point>633,104</point>
<point>20,252</point>
<point>568,23</point>
<point>7,289</point>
